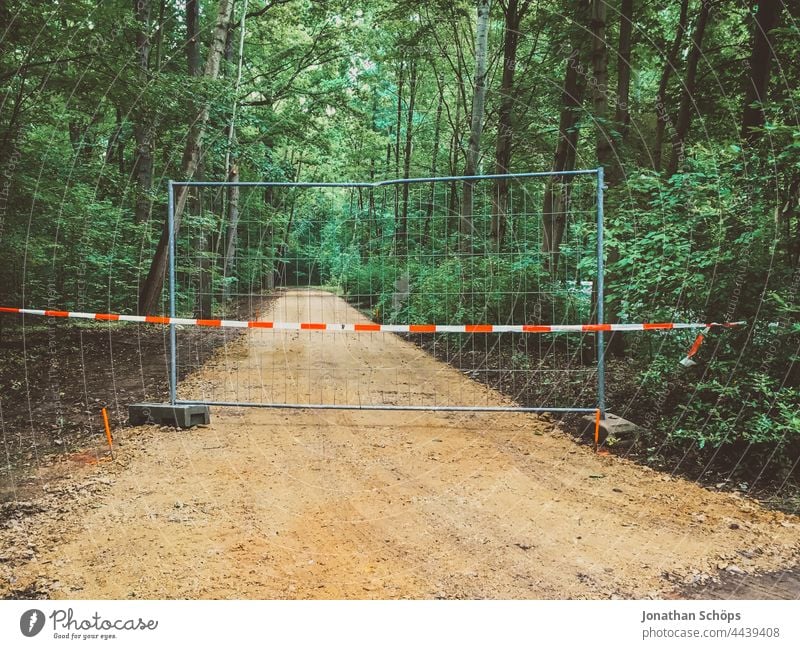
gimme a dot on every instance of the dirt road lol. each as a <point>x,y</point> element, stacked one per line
<point>360,504</point>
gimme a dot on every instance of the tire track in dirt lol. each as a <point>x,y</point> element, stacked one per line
<point>365,504</point>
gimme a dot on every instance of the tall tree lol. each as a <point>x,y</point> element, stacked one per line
<point>142,129</point>
<point>670,64</point>
<point>513,12</point>
<point>689,87</point>
<point>767,12</point>
<point>476,123</point>
<point>151,289</point>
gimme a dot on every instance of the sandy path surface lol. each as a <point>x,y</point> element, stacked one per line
<point>366,504</point>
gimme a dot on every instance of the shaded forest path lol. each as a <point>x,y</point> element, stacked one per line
<point>360,504</point>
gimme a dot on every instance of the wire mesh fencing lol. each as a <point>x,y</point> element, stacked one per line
<point>355,288</point>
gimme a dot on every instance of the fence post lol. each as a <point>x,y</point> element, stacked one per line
<point>601,352</point>
<point>173,366</point>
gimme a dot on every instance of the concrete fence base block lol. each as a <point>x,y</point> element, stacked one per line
<point>614,430</point>
<point>165,414</point>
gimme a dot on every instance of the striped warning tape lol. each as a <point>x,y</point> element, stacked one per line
<point>687,361</point>
<point>393,328</point>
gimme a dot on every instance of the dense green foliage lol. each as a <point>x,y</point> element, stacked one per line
<point>326,95</point>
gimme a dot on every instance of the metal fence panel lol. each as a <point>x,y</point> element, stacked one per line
<point>395,252</point>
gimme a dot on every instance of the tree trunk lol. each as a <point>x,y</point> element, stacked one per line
<point>371,219</point>
<point>604,144</point>
<point>233,223</point>
<point>760,62</point>
<point>116,146</point>
<point>281,276</point>
<point>162,5</point>
<point>402,230</point>
<point>142,131</point>
<point>784,214</point>
<point>231,163</point>
<point>151,289</point>
<point>437,133</point>
<point>687,97</point>
<point>398,123</point>
<point>453,217</point>
<point>505,126</point>
<point>557,190</point>
<point>623,115</point>
<point>373,163</point>
<point>205,242</point>
<point>476,125</point>
<point>607,154</point>
<point>194,63</point>
<point>662,114</point>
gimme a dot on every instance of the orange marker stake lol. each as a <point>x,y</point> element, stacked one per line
<point>596,429</point>
<point>108,432</point>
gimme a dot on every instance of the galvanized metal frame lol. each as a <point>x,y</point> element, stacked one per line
<point>601,379</point>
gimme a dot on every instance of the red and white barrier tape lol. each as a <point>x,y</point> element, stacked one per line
<point>687,361</point>
<point>369,326</point>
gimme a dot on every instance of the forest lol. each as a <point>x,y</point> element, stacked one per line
<point>690,107</point>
